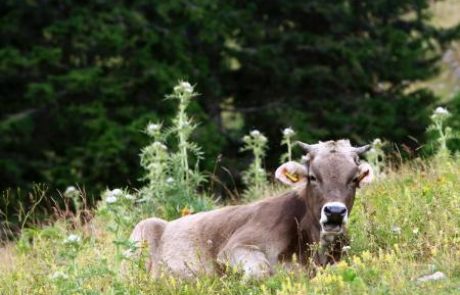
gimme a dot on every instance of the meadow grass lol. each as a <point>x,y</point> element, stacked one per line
<point>403,226</point>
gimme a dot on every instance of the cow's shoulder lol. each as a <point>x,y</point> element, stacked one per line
<point>284,209</point>
<point>269,220</point>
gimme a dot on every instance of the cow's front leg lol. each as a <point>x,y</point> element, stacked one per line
<point>246,258</point>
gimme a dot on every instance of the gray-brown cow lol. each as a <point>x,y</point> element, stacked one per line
<point>257,236</point>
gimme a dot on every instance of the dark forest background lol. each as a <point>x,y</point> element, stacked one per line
<point>79,80</point>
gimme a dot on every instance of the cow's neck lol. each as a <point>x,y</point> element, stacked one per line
<point>309,224</point>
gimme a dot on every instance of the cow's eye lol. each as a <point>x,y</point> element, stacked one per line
<point>311,178</point>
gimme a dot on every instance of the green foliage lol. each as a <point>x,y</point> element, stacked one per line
<point>443,139</point>
<point>117,209</point>
<point>79,80</point>
<point>454,122</point>
<point>386,256</point>
<point>173,176</point>
<point>288,135</point>
<point>444,133</point>
<point>255,177</point>
<point>376,157</point>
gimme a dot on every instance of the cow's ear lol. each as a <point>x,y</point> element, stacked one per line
<point>291,173</point>
<point>366,174</point>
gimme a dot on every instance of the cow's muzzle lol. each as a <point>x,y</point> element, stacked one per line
<point>334,216</point>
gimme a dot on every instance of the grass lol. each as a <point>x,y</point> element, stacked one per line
<point>402,227</point>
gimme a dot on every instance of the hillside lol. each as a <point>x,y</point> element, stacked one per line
<point>403,227</point>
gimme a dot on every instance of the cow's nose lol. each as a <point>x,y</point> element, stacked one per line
<point>335,213</point>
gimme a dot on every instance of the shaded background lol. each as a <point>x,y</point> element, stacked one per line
<point>79,80</point>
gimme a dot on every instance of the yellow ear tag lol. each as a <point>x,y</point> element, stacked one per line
<point>292,177</point>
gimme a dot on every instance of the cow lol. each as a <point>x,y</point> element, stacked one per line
<point>306,224</point>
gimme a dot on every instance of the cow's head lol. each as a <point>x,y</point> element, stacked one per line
<point>331,172</point>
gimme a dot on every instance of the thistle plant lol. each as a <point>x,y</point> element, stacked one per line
<point>255,177</point>
<point>74,195</point>
<point>376,157</point>
<point>288,135</point>
<point>154,159</point>
<point>116,206</point>
<point>183,127</point>
<point>444,133</point>
<point>172,175</point>
<point>65,277</point>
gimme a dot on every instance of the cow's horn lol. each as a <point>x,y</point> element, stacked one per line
<point>306,147</point>
<point>362,149</point>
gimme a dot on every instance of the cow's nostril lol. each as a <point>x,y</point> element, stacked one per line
<point>335,209</point>
<point>335,212</point>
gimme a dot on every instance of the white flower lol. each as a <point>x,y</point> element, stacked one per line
<point>169,180</point>
<point>288,132</point>
<point>184,124</point>
<point>113,195</point>
<point>440,114</point>
<point>153,128</point>
<point>58,275</point>
<point>377,141</point>
<point>441,111</point>
<point>346,248</point>
<point>184,87</point>
<point>158,144</point>
<point>70,191</point>
<point>415,230</point>
<point>246,138</point>
<point>72,239</point>
<point>111,199</point>
<point>255,133</point>
<point>130,197</point>
<point>396,230</point>
<point>127,254</point>
<point>154,166</point>
<point>116,192</point>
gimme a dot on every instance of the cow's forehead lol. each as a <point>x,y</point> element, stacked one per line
<point>338,162</point>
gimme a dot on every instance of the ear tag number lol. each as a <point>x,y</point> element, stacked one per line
<point>292,177</point>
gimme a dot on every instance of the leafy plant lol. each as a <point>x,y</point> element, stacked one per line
<point>288,135</point>
<point>255,177</point>
<point>118,209</point>
<point>376,157</point>
<point>422,235</point>
<point>444,132</point>
<point>172,176</point>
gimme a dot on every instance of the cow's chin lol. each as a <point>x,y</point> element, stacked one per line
<point>330,228</point>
